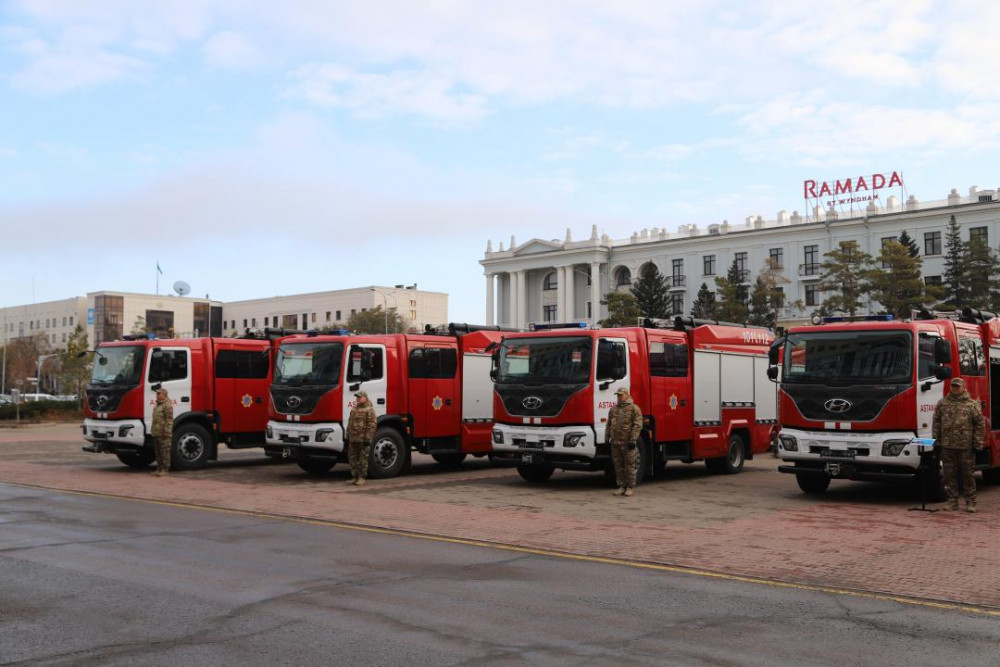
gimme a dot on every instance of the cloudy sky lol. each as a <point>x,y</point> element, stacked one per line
<point>264,148</point>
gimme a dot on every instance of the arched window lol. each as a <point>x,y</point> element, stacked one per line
<point>646,269</point>
<point>551,281</point>
<point>623,276</point>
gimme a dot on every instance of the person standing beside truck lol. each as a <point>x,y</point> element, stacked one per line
<point>624,427</point>
<point>360,431</point>
<point>162,431</point>
<point>959,429</point>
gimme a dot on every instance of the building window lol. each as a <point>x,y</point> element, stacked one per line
<point>253,321</point>
<point>338,315</point>
<point>413,303</point>
<point>64,337</point>
<point>811,257</point>
<point>549,313</point>
<point>413,315</point>
<point>932,280</point>
<point>244,323</point>
<point>677,273</point>
<point>708,265</point>
<point>677,303</point>
<point>71,320</point>
<point>777,258</point>
<point>328,316</point>
<point>623,277</point>
<point>932,243</point>
<point>551,281</point>
<point>778,297</point>
<point>979,234</point>
<point>64,321</point>
<point>812,292</point>
<point>354,311</point>
<point>741,266</point>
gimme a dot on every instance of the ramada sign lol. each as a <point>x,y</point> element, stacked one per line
<point>851,190</point>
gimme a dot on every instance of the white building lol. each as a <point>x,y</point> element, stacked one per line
<point>55,320</point>
<point>559,281</point>
<point>324,309</point>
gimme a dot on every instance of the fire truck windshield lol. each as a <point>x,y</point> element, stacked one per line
<point>849,357</point>
<point>118,365</point>
<point>545,360</point>
<point>308,363</point>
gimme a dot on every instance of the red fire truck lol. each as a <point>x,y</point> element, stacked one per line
<point>218,387</point>
<point>856,392</point>
<point>702,387</point>
<point>432,393</point>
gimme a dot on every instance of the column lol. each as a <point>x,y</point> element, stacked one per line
<point>560,294</point>
<point>570,294</point>
<point>595,293</point>
<point>490,307</point>
<point>521,319</point>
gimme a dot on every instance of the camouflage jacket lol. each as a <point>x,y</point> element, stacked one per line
<point>624,423</point>
<point>163,420</point>
<point>361,424</point>
<point>958,423</point>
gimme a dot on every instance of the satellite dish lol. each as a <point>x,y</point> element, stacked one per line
<point>182,288</point>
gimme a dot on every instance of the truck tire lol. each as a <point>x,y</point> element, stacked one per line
<point>192,447</point>
<point>813,484</point>
<point>140,459</point>
<point>733,461</point>
<point>991,475</point>
<point>449,459</point>
<point>535,472</point>
<point>388,455</point>
<point>315,466</point>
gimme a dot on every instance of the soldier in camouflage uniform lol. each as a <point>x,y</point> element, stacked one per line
<point>360,431</point>
<point>959,429</point>
<point>162,431</point>
<point>624,426</point>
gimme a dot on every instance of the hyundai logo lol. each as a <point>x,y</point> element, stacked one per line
<point>102,400</point>
<point>293,401</point>
<point>838,405</point>
<point>532,402</point>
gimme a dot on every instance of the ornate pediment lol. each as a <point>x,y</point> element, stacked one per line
<point>535,246</point>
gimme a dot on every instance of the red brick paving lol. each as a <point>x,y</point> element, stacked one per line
<point>754,524</point>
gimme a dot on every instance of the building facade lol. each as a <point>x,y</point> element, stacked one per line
<point>53,320</point>
<point>560,281</point>
<point>320,310</point>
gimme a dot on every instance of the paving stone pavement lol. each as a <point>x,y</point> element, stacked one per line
<point>757,523</point>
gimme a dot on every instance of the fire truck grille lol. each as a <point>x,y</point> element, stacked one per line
<point>857,403</point>
<point>105,399</point>
<point>296,400</point>
<point>535,401</point>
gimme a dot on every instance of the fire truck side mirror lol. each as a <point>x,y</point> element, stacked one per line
<point>942,351</point>
<point>772,373</point>
<point>942,372</point>
<point>775,351</point>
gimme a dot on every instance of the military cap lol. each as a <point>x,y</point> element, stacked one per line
<point>361,394</point>
<point>957,382</point>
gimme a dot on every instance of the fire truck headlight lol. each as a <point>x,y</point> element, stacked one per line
<point>270,432</point>
<point>572,439</point>
<point>893,447</point>
<point>123,431</point>
<point>498,436</point>
<point>323,434</point>
<point>788,443</point>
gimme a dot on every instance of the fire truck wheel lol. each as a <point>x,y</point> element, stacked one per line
<point>315,466</point>
<point>192,447</point>
<point>991,475</point>
<point>732,462</point>
<point>814,484</point>
<point>449,459</point>
<point>140,459</point>
<point>388,454</point>
<point>536,472</point>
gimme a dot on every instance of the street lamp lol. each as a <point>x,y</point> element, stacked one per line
<point>385,307</point>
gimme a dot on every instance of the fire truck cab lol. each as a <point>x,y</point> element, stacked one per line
<point>702,388</point>
<point>855,393</point>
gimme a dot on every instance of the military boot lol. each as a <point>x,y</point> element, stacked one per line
<point>620,491</point>
<point>360,481</point>
<point>352,480</point>
<point>970,506</point>
<point>952,505</point>
<point>628,492</point>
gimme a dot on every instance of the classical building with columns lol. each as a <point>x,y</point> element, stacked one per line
<point>562,281</point>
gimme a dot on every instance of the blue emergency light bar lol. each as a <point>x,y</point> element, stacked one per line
<point>856,318</point>
<point>549,326</point>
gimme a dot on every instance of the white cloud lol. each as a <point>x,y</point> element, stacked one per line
<point>231,50</point>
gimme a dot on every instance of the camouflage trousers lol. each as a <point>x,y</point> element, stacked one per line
<point>958,468</point>
<point>357,456</point>
<point>625,461</point>
<point>161,447</point>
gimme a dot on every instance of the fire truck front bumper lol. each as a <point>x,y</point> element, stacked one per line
<point>108,436</point>
<point>513,444</point>
<point>323,440</point>
<point>885,456</point>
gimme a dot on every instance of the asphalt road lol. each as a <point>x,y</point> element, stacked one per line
<point>88,580</point>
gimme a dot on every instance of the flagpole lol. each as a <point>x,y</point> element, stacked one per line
<point>157,277</point>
